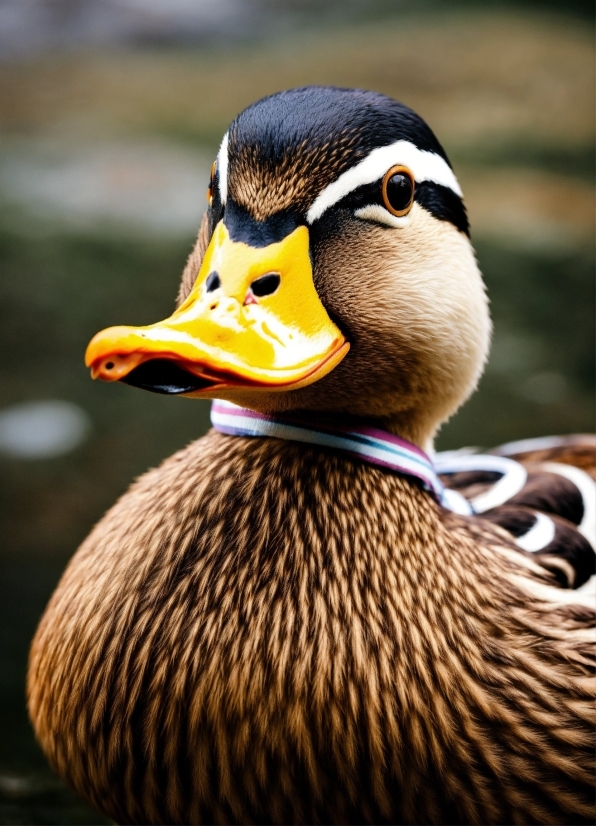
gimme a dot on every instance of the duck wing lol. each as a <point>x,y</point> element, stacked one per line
<point>542,491</point>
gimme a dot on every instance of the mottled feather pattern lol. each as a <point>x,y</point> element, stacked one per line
<point>260,631</point>
<point>266,185</point>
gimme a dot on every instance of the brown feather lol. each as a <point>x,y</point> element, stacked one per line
<point>260,631</point>
<point>577,450</point>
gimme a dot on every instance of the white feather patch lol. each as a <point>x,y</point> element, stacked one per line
<point>375,212</point>
<point>222,166</point>
<point>555,596</point>
<point>425,166</point>
<point>539,536</point>
<point>587,488</point>
<point>589,589</point>
<point>457,503</point>
<point>513,477</point>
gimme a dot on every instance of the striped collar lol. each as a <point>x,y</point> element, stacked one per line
<point>378,447</point>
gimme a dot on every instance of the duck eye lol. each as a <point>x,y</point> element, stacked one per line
<point>266,284</point>
<point>213,282</point>
<point>398,190</point>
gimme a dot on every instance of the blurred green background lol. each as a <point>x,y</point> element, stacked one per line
<point>112,111</point>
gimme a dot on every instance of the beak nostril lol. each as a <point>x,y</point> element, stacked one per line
<point>266,284</point>
<point>109,365</point>
<point>213,282</point>
<point>213,306</point>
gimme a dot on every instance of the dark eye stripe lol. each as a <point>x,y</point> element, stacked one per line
<point>362,196</point>
<point>444,204</point>
<point>440,201</point>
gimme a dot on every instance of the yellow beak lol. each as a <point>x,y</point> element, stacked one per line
<point>252,320</point>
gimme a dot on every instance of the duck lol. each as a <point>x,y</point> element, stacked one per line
<point>307,615</point>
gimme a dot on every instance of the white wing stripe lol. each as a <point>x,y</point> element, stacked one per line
<point>425,166</point>
<point>587,488</point>
<point>512,481</point>
<point>222,165</point>
<point>540,534</point>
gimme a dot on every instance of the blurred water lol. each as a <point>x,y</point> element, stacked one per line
<point>28,27</point>
<point>119,187</point>
<point>42,430</point>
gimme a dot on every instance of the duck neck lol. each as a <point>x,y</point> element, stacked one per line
<point>413,427</point>
<point>367,442</point>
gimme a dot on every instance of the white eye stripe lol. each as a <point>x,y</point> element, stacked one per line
<point>425,166</point>
<point>222,168</point>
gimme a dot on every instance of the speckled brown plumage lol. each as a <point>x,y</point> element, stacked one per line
<point>264,188</point>
<point>261,631</point>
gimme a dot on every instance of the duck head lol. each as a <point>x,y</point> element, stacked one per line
<point>333,272</point>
